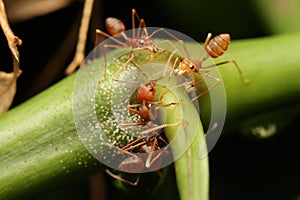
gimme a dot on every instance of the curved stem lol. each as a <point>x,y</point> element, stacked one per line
<point>191,169</point>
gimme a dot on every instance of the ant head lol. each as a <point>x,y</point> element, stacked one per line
<point>146,91</point>
<point>185,66</point>
<point>145,42</point>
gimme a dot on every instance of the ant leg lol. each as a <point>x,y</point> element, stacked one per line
<point>123,124</point>
<point>213,128</point>
<point>99,32</point>
<point>192,83</point>
<point>150,161</point>
<point>119,45</point>
<point>124,65</point>
<point>206,40</point>
<point>173,67</point>
<point>142,24</point>
<point>133,124</point>
<point>159,127</point>
<point>153,115</point>
<point>119,150</point>
<point>208,37</point>
<point>135,183</point>
<point>229,61</point>
<point>141,71</point>
<point>173,47</point>
<point>209,88</point>
<point>152,150</point>
<point>144,27</point>
<point>136,113</point>
<point>129,82</point>
<point>174,37</point>
<point>105,60</point>
<point>134,15</point>
<point>132,145</point>
<point>161,96</point>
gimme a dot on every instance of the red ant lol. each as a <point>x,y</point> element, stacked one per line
<point>214,47</point>
<point>139,40</point>
<point>146,93</point>
<point>153,161</point>
<point>136,164</point>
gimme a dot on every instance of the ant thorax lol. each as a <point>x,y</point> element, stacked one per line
<point>185,66</point>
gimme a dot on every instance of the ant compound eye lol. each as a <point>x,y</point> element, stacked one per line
<point>141,42</point>
<point>192,66</point>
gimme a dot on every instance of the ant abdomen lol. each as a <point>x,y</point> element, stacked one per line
<point>114,26</point>
<point>132,165</point>
<point>218,45</point>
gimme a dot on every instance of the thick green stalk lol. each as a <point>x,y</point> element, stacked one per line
<point>278,16</point>
<point>272,65</point>
<point>39,147</point>
<point>192,169</point>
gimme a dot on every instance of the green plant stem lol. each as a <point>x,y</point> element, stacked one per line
<point>39,147</point>
<point>272,65</point>
<point>192,169</point>
<point>279,16</point>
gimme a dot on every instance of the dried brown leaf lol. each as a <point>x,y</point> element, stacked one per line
<point>22,10</point>
<point>8,83</point>
<point>8,80</point>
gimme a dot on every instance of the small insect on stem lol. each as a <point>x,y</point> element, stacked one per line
<point>136,164</point>
<point>140,39</point>
<point>147,142</point>
<point>214,48</point>
<point>132,164</point>
<point>145,93</point>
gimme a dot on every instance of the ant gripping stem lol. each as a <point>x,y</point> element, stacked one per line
<point>146,93</point>
<point>136,164</point>
<point>215,48</point>
<point>138,41</point>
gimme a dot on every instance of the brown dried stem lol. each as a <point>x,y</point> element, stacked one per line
<point>85,21</point>
<point>13,41</point>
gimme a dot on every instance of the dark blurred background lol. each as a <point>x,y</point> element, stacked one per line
<point>49,38</point>
<point>241,168</point>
